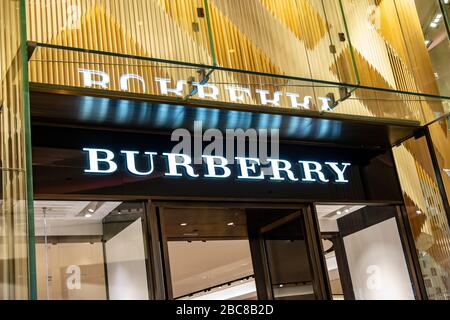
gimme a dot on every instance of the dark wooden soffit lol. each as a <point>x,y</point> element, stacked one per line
<point>68,106</point>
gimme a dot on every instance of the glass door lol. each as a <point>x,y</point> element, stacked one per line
<point>284,255</point>
<point>206,253</point>
<point>213,252</point>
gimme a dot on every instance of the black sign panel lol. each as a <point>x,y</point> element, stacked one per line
<point>60,164</point>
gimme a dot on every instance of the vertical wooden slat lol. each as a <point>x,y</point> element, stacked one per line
<point>13,212</point>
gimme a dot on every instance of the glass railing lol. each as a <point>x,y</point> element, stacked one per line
<point>368,42</point>
<point>208,84</point>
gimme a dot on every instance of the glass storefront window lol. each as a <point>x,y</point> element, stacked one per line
<point>433,23</point>
<point>426,212</point>
<point>228,254</point>
<point>284,243</point>
<point>364,253</point>
<point>91,250</point>
<point>446,8</point>
<point>440,136</point>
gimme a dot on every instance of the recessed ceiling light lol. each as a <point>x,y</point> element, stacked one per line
<point>347,211</point>
<point>91,210</point>
<point>184,224</point>
<point>281,286</point>
<point>339,213</point>
<point>231,224</point>
<point>88,215</point>
<point>419,212</point>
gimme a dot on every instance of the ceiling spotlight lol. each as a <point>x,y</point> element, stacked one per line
<point>281,285</point>
<point>346,211</point>
<point>231,224</point>
<point>88,215</point>
<point>184,224</point>
<point>91,208</point>
<point>339,213</point>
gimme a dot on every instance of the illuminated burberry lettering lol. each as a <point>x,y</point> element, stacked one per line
<point>236,94</point>
<point>104,162</point>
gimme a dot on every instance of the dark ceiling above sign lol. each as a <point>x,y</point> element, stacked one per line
<point>119,112</point>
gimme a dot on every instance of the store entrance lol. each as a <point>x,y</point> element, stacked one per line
<point>249,251</point>
<point>122,250</point>
<point>240,252</point>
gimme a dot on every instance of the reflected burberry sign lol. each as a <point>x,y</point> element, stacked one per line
<point>203,90</point>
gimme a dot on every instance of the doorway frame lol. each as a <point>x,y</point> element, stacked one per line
<point>322,288</point>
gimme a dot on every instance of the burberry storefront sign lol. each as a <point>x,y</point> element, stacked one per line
<point>103,162</point>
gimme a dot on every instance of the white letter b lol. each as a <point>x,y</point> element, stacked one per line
<point>95,160</point>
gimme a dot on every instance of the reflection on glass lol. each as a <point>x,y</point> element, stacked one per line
<point>434,29</point>
<point>427,216</point>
